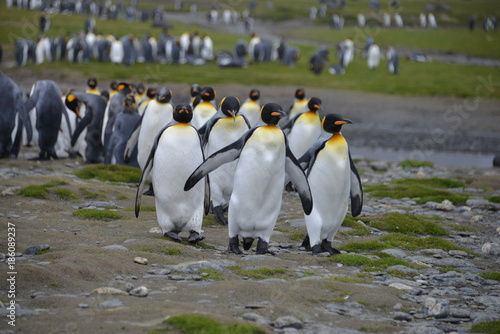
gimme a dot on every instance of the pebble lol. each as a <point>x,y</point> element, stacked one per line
<point>141,260</point>
<point>116,247</point>
<point>33,250</point>
<point>109,291</point>
<point>140,291</point>
<point>111,303</point>
<point>288,321</point>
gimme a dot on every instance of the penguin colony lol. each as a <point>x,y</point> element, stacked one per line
<point>224,165</point>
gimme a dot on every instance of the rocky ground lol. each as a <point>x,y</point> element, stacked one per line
<point>93,278</point>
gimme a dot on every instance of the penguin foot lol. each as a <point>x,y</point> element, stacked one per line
<point>326,246</point>
<point>219,214</point>
<point>306,243</point>
<point>234,246</point>
<point>316,249</point>
<point>194,237</point>
<point>172,235</point>
<point>247,243</point>
<point>262,247</point>
<point>150,191</point>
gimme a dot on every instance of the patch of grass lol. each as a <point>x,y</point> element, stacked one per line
<point>55,284</point>
<point>408,224</point>
<point>212,275</point>
<point>400,274</point>
<point>122,197</point>
<point>357,227</point>
<point>144,249</point>
<point>105,215</point>
<point>200,324</point>
<point>494,199</point>
<point>150,208</point>
<point>415,243</point>
<point>446,269</point>
<point>297,236</point>
<point>88,194</point>
<point>345,279</point>
<point>45,251</point>
<point>415,164</point>
<point>422,190</point>
<point>461,228</point>
<point>259,273</point>
<point>378,329</point>
<point>55,183</point>
<point>209,220</point>
<point>111,173</point>
<point>171,251</point>
<point>36,191</point>
<point>366,263</point>
<point>366,246</point>
<point>489,327</point>
<point>66,194</point>
<point>490,275</point>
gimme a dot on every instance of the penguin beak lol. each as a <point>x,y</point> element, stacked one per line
<point>233,114</point>
<point>278,113</point>
<point>344,121</point>
<point>318,107</point>
<point>183,111</point>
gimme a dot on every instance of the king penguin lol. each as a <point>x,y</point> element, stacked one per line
<point>13,116</point>
<point>221,130</point>
<point>206,109</point>
<point>251,107</point>
<point>333,179</point>
<point>299,103</point>
<point>176,152</point>
<point>263,159</point>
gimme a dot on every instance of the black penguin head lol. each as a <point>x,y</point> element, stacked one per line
<point>164,95</point>
<point>92,82</point>
<point>314,104</point>
<point>72,103</point>
<point>332,123</point>
<point>105,94</point>
<point>271,113</point>
<point>195,90</point>
<point>140,88</point>
<point>129,104</point>
<point>208,94</point>
<point>230,106</point>
<point>114,85</point>
<point>254,94</point>
<point>183,113</point>
<point>124,88</point>
<point>151,92</point>
<point>300,94</point>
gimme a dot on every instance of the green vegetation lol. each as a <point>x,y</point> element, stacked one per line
<point>209,220</point>
<point>447,269</point>
<point>357,227</point>
<point>363,246</point>
<point>490,275</point>
<point>105,215</point>
<point>200,324</point>
<point>461,228</point>
<point>408,224</point>
<point>353,280</point>
<point>415,243</point>
<point>42,191</point>
<point>171,251</point>
<point>400,274</point>
<point>297,236</point>
<point>415,164</point>
<point>111,173</point>
<point>378,329</point>
<point>66,194</point>
<point>55,284</point>
<point>422,190</point>
<point>144,249</point>
<point>260,273</point>
<point>488,327</point>
<point>366,263</point>
<point>494,199</point>
<point>212,274</point>
<point>88,194</point>
<point>149,208</point>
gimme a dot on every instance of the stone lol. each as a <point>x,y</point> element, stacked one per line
<point>445,205</point>
<point>491,248</point>
<point>111,303</point>
<point>141,260</point>
<point>437,308</point>
<point>403,269</point>
<point>459,313</point>
<point>156,230</point>
<point>457,253</point>
<point>140,291</point>
<point>401,286</point>
<point>106,290</point>
<point>288,321</point>
<point>402,316</point>
<point>33,250</point>
<point>116,247</point>
<point>482,204</point>
<point>397,253</point>
<point>195,266</point>
<point>159,271</point>
<point>455,263</point>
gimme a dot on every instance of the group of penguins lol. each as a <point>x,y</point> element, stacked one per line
<point>200,157</point>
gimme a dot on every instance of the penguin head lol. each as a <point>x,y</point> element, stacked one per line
<point>271,113</point>
<point>300,94</point>
<point>183,113</point>
<point>113,85</point>
<point>140,88</point>
<point>332,123</point>
<point>208,94</point>
<point>254,94</point>
<point>164,95</point>
<point>314,104</point>
<point>129,104</point>
<point>72,103</point>
<point>151,92</point>
<point>124,87</point>
<point>92,82</point>
<point>230,106</point>
<point>195,90</point>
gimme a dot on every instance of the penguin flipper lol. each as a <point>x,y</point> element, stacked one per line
<point>24,116</point>
<point>299,180</point>
<point>356,190</point>
<point>132,141</point>
<point>217,159</point>
<point>84,122</point>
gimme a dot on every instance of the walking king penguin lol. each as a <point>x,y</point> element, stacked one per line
<point>176,152</point>
<point>263,159</point>
<point>12,114</point>
<point>333,178</point>
<point>221,130</point>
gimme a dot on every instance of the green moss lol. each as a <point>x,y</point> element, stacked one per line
<point>344,279</point>
<point>400,274</point>
<point>446,269</point>
<point>66,194</point>
<point>494,199</point>
<point>210,220</point>
<point>212,274</point>
<point>350,260</point>
<point>260,273</point>
<point>408,224</point>
<point>122,197</point>
<point>45,251</point>
<point>366,263</point>
<point>489,327</point>
<point>415,164</point>
<point>490,275</point>
<point>55,284</point>
<point>111,173</point>
<point>199,324</point>
<point>433,182</point>
<point>87,194</point>
<point>105,215</point>
<point>149,208</point>
<point>416,243</point>
<point>366,246</point>
<point>297,236</point>
<point>378,329</point>
<point>357,227</point>
<point>461,228</point>
<point>144,249</point>
<point>36,191</point>
<point>171,251</point>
